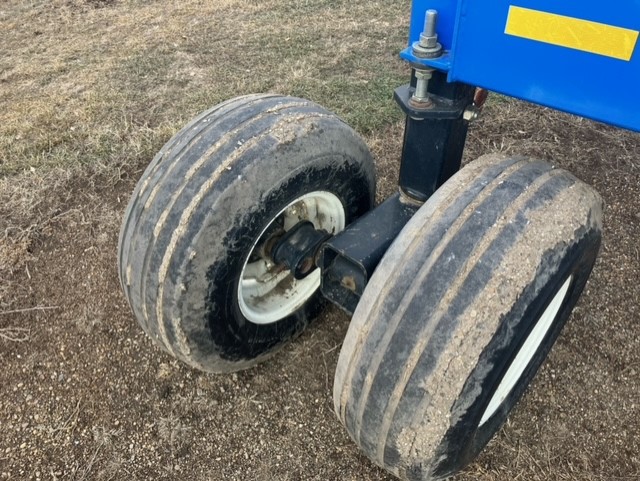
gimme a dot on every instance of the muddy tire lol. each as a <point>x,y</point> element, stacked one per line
<point>193,259</point>
<point>461,312</point>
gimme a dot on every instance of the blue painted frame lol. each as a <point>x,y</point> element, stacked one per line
<point>479,53</point>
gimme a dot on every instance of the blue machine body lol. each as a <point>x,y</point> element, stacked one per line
<point>481,50</point>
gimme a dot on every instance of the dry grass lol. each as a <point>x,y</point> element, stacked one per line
<point>90,90</point>
<point>519,128</point>
<point>107,82</point>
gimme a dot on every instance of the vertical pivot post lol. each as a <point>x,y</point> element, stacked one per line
<point>436,127</point>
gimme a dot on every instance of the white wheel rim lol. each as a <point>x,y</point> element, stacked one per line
<point>526,352</point>
<point>265,295</point>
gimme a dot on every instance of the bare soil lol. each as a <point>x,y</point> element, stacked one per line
<point>84,394</point>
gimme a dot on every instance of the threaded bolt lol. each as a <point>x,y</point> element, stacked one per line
<point>422,85</point>
<point>428,46</point>
<point>430,19</point>
<point>420,98</point>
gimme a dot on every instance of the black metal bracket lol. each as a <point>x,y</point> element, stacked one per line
<point>439,108</point>
<point>434,135</point>
<point>434,138</point>
<point>348,259</point>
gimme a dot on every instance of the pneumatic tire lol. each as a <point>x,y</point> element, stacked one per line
<point>461,312</point>
<point>194,257</point>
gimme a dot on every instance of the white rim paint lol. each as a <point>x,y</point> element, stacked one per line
<point>267,294</point>
<point>526,352</point>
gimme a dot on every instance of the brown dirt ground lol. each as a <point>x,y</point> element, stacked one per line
<point>85,395</point>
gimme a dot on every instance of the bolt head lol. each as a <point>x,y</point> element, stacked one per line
<point>470,114</point>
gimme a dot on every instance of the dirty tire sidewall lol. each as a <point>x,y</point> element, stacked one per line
<point>465,440</point>
<point>200,206</point>
<point>452,303</point>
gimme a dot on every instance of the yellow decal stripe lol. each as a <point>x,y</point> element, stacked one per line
<point>572,32</point>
